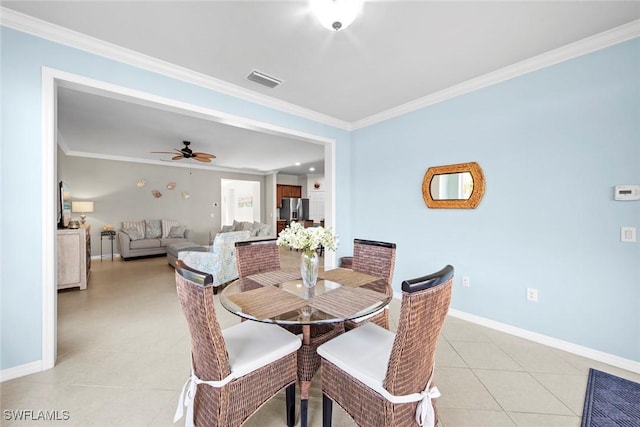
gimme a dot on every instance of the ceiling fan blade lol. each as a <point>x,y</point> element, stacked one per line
<point>207,155</point>
<point>202,159</point>
<point>163,152</point>
<point>177,157</point>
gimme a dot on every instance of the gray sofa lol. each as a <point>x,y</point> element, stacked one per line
<point>255,229</point>
<point>132,243</point>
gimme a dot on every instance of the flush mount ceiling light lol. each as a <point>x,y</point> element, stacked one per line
<point>336,15</point>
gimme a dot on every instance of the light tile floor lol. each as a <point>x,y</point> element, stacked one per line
<point>123,356</point>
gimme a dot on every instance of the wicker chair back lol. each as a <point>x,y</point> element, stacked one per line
<point>257,256</point>
<point>374,258</point>
<point>208,350</point>
<point>425,302</point>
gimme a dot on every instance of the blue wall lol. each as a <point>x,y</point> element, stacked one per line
<point>22,59</point>
<point>552,145</point>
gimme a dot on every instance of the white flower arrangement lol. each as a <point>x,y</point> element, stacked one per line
<point>307,239</point>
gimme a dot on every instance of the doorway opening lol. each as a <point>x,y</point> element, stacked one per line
<point>51,80</point>
<point>240,201</point>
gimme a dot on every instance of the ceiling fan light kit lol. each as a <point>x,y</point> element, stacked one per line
<point>336,15</point>
<point>187,153</point>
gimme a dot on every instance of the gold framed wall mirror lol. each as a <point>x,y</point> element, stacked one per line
<point>458,186</point>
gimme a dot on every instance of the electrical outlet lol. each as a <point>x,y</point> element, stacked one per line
<point>532,294</point>
<point>466,281</point>
<point>628,234</point>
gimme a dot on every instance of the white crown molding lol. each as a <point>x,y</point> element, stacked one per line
<point>58,34</point>
<point>37,27</point>
<point>167,163</point>
<point>582,47</point>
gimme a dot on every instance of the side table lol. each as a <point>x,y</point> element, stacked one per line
<point>111,235</point>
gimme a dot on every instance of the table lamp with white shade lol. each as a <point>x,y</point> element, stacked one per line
<point>83,208</point>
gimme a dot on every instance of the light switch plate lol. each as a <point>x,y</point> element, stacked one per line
<point>628,234</point>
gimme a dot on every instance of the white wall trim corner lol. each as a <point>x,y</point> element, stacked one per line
<point>48,225</point>
<point>20,371</point>
<point>610,359</point>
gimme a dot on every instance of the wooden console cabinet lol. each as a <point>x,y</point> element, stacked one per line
<point>74,257</point>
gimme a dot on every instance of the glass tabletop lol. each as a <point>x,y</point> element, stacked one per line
<point>280,297</point>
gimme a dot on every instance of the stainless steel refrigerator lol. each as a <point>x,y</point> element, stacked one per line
<point>294,209</point>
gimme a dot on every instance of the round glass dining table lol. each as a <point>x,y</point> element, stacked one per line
<point>279,297</point>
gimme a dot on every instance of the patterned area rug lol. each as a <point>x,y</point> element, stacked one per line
<point>611,401</point>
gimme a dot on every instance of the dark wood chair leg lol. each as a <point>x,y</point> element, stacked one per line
<point>327,409</point>
<point>304,405</point>
<point>290,393</point>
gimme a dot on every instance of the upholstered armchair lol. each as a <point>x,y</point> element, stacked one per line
<point>220,261</point>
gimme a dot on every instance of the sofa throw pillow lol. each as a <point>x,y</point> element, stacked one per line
<point>226,229</point>
<point>177,231</point>
<point>138,225</point>
<point>133,233</point>
<point>153,229</point>
<point>255,228</point>
<point>265,230</point>
<point>245,226</point>
<point>166,226</point>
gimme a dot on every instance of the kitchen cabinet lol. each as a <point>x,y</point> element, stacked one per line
<point>282,190</point>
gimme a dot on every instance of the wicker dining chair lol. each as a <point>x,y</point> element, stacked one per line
<point>377,259</point>
<point>384,379</point>
<point>262,256</point>
<point>235,370</point>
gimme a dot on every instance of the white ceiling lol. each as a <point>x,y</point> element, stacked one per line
<point>96,125</point>
<point>394,53</point>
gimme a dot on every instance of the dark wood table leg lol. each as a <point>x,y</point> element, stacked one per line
<point>327,410</point>
<point>305,386</point>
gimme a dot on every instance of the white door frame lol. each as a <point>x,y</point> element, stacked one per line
<point>51,79</point>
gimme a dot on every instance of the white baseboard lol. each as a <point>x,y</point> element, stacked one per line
<point>610,359</point>
<point>20,371</point>
<point>106,257</point>
<point>600,356</point>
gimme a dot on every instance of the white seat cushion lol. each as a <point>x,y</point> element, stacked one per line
<point>252,345</point>
<point>369,316</point>
<point>363,353</point>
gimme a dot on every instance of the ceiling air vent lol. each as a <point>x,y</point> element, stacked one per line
<point>263,79</point>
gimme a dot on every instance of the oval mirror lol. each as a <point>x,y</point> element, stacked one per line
<point>451,186</point>
<point>459,186</point>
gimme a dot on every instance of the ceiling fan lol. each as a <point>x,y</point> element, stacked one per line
<point>187,153</point>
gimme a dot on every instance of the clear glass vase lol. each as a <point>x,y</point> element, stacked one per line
<point>309,262</point>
